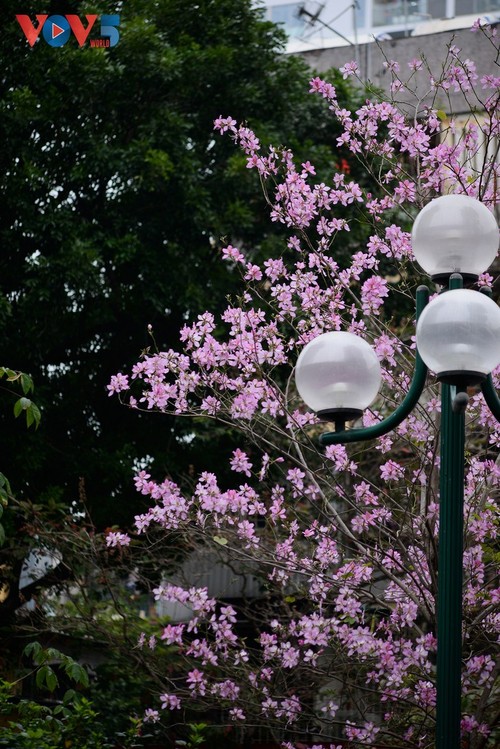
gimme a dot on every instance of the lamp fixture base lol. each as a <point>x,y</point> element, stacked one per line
<point>443,279</point>
<point>339,416</point>
<point>461,379</point>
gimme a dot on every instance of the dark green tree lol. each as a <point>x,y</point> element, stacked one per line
<point>116,196</point>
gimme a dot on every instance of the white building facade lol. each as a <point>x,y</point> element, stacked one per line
<point>330,33</point>
<point>311,24</point>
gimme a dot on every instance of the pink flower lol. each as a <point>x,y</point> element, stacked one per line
<point>237,713</point>
<point>196,682</point>
<point>253,273</point>
<point>232,253</point>
<point>391,471</point>
<point>172,633</point>
<point>373,292</point>
<point>222,124</point>
<point>290,708</point>
<point>170,702</point>
<point>118,384</point>
<point>425,693</point>
<point>227,689</point>
<point>115,539</point>
<point>415,64</point>
<point>240,463</point>
<point>350,68</point>
<point>246,532</point>
<point>391,65</point>
<point>308,167</point>
<point>323,88</point>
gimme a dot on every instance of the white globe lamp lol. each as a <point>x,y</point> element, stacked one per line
<point>458,336</point>
<point>338,376</point>
<point>455,234</point>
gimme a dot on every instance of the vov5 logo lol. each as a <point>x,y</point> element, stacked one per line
<point>56,30</point>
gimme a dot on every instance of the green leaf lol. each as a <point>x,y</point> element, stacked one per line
<point>36,414</point>
<point>45,677</point>
<point>442,115</point>
<point>75,671</point>
<point>2,535</point>
<point>41,675</point>
<point>5,490</point>
<point>11,375</point>
<point>82,678</point>
<point>32,411</point>
<point>26,383</point>
<point>21,405</point>
<point>33,415</point>
<point>32,649</point>
<point>69,696</point>
<point>220,540</point>
<point>51,679</point>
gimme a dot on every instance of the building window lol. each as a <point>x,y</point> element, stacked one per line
<point>288,16</point>
<point>360,7</point>
<point>476,7</point>
<point>404,12</point>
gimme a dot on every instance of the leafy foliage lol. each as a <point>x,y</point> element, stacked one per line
<point>71,721</point>
<point>23,404</point>
<point>115,196</point>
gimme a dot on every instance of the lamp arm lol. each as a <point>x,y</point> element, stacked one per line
<point>491,397</point>
<point>408,404</point>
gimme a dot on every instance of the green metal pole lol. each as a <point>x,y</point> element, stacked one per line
<point>450,561</point>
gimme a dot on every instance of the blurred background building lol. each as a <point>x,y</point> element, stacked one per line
<point>333,32</point>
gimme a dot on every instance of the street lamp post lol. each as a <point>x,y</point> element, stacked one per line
<point>455,239</point>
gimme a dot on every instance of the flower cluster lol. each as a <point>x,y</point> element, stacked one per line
<point>336,549</point>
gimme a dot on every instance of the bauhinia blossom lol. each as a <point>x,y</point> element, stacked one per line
<point>334,550</point>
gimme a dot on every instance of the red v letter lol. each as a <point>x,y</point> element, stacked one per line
<point>30,32</point>
<point>77,27</point>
